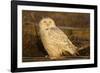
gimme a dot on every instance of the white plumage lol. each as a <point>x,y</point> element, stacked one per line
<point>55,41</point>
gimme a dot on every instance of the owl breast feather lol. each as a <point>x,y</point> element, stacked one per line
<point>56,34</point>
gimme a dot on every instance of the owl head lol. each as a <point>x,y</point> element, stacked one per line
<point>46,23</point>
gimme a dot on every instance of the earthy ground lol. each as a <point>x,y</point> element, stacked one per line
<point>75,25</point>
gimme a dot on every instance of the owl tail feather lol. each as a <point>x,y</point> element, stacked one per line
<point>66,53</point>
<point>76,54</point>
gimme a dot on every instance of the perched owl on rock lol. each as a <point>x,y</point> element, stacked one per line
<point>54,40</point>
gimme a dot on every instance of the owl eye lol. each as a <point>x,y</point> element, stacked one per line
<point>50,21</point>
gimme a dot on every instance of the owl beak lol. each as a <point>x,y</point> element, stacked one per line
<point>47,24</point>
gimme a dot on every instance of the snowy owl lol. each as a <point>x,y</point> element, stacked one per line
<point>54,40</point>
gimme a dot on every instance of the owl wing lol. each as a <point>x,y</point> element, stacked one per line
<point>57,35</point>
<point>59,38</point>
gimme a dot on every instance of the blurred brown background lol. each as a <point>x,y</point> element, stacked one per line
<point>75,25</point>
